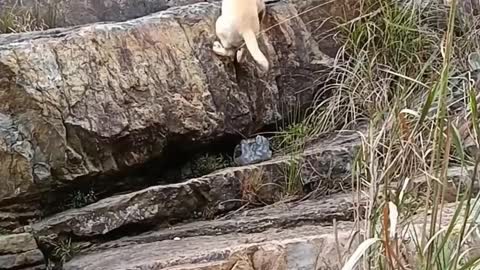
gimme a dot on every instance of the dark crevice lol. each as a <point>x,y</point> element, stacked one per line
<point>180,160</point>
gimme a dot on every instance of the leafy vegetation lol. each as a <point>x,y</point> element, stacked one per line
<point>64,250</point>
<point>4,231</point>
<point>199,165</point>
<point>80,199</point>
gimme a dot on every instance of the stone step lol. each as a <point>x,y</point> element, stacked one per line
<point>57,129</point>
<point>327,161</point>
<point>299,247</point>
<point>340,207</point>
<point>295,225</point>
<point>20,252</point>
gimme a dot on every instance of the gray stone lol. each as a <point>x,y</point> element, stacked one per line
<point>102,98</point>
<point>306,247</point>
<point>16,243</point>
<point>296,246</point>
<point>65,13</point>
<point>15,261</point>
<point>338,207</point>
<point>328,162</point>
<point>251,151</point>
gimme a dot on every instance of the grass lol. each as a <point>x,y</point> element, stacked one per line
<point>18,18</point>
<point>410,72</point>
<point>64,250</point>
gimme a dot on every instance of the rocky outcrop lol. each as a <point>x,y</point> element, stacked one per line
<point>327,163</point>
<point>20,252</point>
<point>64,13</point>
<point>309,245</point>
<point>100,99</point>
<point>273,249</point>
<point>324,210</point>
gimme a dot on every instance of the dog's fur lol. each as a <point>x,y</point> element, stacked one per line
<point>240,22</point>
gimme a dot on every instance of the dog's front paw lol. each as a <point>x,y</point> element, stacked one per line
<point>241,55</point>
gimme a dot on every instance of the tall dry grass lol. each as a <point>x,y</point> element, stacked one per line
<point>411,72</point>
<point>19,18</point>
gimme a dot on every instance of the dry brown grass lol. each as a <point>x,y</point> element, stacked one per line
<point>412,73</point>
<point>18,18</point>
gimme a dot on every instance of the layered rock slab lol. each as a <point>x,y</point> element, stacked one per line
<point>20,251</point>
<point>294,248</point>
<point>282,215</point>
<point>102,98</point>
<point>67,13</point>
<point>327,163</point>
<point>319,246</point>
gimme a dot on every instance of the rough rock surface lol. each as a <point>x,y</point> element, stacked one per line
<point>274,249</point>
<point>20,251</point>
<point>15,243</point>
<point>327,163</point>
<point>303,247</point>
<point>64,13</point>
<point>322,17</point>
<point>101,98</point>
<point>338,207</point>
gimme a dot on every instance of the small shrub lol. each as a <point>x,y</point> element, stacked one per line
<point>207,163</point>
<point>252,189</point>
<point>64,250</point>
<point>203,164</point>
<point>292,138</point>
<point>80,199</point>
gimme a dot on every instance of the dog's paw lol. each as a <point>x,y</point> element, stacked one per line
<point>241,55</point>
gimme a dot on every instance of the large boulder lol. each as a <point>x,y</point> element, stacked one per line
<point>66,13</point>
<point>98,99</point>
<point>328,163</point>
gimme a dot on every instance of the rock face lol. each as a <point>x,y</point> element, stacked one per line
<point>328,164</point>
<point>105,97</point>
<point>304,248</point>
<point>66,13</point>
<point>20,251</point>
<point>304,243</point>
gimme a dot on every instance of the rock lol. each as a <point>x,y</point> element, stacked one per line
<point>20,251</point>
<point>270,248</point>
<point>100,99</point>
<point>17,243</point>
<point>66,13</point>
<point>328,162</point>
<point>12,221</point>
<point>322,17</point>
<point>15,261</point>
<point>252,151</point>
<point>303,247</point>
<point>338,207</point>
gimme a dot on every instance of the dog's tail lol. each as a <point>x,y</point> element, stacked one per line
<point>252,46</point>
